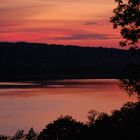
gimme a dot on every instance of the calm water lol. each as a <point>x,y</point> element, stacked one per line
<point>26,105</point>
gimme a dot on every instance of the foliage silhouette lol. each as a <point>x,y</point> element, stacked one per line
<point>127,16</point>
<point>19,135</point>
<point>31,135</point>
<point>92,114</point>
<point>122,124</point>
<point>64,128</point>
<point>2,137</point>
<point>131,86</point>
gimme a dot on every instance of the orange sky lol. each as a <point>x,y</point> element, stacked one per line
<point>81,22</point>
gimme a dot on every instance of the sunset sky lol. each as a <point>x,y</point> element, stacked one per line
<point>74,22</point>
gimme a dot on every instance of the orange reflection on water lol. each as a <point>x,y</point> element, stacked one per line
<point>36,107</point>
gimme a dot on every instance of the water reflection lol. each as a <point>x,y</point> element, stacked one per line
<point>33,107</point>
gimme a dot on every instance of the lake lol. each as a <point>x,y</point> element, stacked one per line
<point>35,104</point>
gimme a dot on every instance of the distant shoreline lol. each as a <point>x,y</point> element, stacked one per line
<point>55,83</point>
<point>21,61</point>
<point>27,78</point>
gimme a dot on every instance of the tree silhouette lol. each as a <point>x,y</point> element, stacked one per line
<point>131,86</point>
<point>127,16</point>
<point>31,135</point>
<point>19,135</point>
<point>92,116</point>
<point>2,137</point>
<point>64,128</point>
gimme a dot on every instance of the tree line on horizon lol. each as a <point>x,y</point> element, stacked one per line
<point>29,61</point>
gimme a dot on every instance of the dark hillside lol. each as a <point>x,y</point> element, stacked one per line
<point>34,61</point>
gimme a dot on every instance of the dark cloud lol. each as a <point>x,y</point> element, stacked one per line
<point>90,23</point>
<point>87,36</point>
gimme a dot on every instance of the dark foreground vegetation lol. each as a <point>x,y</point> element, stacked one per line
<point>123,124</point>
<point>32,61</point>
